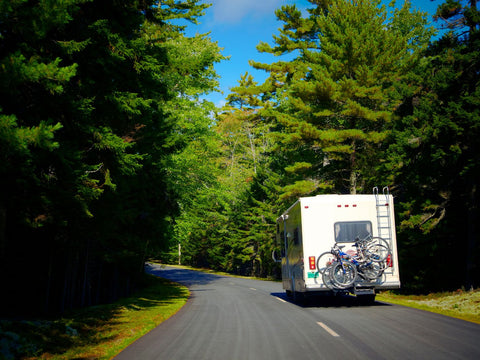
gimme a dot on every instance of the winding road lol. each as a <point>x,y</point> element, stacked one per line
<point>237,319</point>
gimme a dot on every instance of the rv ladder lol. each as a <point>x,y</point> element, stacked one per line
<point>384,222</point>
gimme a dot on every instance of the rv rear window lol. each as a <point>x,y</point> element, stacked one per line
<point>348,231</point>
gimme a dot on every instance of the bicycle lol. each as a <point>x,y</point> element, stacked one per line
<point>369,262</point>
<point>369,249</point>
<point>339,272</point>
<point>375,249</point>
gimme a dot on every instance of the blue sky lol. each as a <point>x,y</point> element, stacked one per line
<point>239,25</point>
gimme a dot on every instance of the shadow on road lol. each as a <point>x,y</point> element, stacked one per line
<point>326,301</point>
<point>183,276</point>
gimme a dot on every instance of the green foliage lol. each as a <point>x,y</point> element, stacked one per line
<point>337,97</point>
<point>109,155</point>
<point>228,211</point>
<point>362,102</point>
<point>435,162</point>
<point>97,97</point>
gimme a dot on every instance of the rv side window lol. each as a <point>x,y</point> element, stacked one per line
<point>348,231</point>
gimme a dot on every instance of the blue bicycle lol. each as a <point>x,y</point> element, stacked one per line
<point>338,272</point>
<point>368,263</point>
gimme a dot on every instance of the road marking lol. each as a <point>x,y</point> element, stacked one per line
<point>253,289</point>
<point>280,299</point>
<point>327,329</point>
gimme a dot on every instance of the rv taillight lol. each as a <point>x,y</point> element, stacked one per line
<point>389,260</point>
<point>311,261</point>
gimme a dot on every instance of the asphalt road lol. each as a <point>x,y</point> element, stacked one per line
<point>237,319</point>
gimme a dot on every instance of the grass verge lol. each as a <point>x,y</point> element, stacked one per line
<point>459,304</point>
<point>98,332</point>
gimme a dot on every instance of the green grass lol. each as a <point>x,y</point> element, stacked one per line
<point>98,332</point>
<point>459,304</point>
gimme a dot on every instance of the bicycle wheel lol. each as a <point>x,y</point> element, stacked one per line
<point>376,252</point>
<point>327,278</point>
<point>324,261</point>
<point>343,274</point>
<point>379,241</point>
<point>371,271</point>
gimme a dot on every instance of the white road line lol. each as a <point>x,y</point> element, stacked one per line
<point>253,289</point>
<point>280,299</point>
<point>327,329</point>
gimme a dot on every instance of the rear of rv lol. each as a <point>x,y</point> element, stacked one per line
<point>313,225</point>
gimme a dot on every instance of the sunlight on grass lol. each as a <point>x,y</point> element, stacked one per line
<point>459,304</point>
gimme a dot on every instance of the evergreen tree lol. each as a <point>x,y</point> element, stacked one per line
<point>336,98</point>
<point>227,224</point>
<point>435,159</point>
<point>253,214</point>
<point>95,95</point>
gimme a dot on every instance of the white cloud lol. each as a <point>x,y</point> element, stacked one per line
<point>233,11</point>
<point>221,103</point>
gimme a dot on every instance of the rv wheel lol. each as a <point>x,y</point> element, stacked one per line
<point>366,299</point>
<point>299,298</point>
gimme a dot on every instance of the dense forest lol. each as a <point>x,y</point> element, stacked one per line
<point>110,156</point>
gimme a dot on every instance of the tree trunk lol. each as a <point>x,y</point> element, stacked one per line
<point>353,182</point>
<point>85,278</point>
<point>472,235</point>
<point>3,231</point>
<point>46,306</point>
<point>353,172</point>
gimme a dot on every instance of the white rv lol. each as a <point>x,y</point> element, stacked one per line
<point>313,225</point>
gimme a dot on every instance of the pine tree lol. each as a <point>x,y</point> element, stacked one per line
<point>337,97</point>
<point>94,97</point>
<point>435,157</point>
<point>254,212</point>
